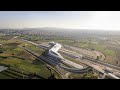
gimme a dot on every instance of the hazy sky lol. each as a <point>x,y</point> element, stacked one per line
<point>107,20</point>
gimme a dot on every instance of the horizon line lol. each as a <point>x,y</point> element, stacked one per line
<point>64,28</point>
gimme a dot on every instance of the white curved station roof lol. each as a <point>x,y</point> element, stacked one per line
<point>56,47</point>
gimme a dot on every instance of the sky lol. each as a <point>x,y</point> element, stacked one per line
<point>105,20</point>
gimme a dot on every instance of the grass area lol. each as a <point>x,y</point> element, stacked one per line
<point>87,75</point>
<point>2,76</point>
<point>98,47</point>
<point>32,37</point>
<point>56,75</point>
<point>10,48</point>
<point>104,50</point>
<point>83,45</point>
<point>76,76</point>
<point>32,47</point>
<point>18,63</point>
<point>13,56</point>
<point>10,61</point>
<point>2,41</point>
<point>109,52</point>
<point>101,48</point>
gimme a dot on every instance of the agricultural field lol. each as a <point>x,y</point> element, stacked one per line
<point>2,76</point>
<point>13,56</point>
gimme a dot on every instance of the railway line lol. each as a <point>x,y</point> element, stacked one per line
<point>91,62</point>
<point>94,64</point>
<point>91,59</point>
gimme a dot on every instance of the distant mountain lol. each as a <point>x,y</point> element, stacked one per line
<point>67,31</point>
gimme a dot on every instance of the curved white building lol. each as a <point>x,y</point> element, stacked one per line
<point>54,50</point>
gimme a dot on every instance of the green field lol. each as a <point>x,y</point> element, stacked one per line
<point>13,56</point>
<point>2,76</point>
<point>87,75</point>
<point>32,47</point>
<point>109,52</point>
<point>18,63</point>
